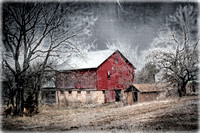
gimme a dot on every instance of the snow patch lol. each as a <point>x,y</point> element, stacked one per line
<point>89,60</point>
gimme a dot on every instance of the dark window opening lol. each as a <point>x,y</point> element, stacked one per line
<point>79,92</point>
<point>70,92</point>
<point>108,75</point>
<point>62,91</point>
<point>103,91</point>
<point>117,95</point>
<point>88,92</point>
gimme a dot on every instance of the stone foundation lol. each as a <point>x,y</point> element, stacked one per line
<point>84,96</point>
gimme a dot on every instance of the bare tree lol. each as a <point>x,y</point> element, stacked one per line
<point>147,74</point>
<point>179,61</point>
<point>9,93</point>
<point>36,31</point>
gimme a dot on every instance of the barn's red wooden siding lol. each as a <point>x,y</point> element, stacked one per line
<point>85,79</point>
<point>121,73</point>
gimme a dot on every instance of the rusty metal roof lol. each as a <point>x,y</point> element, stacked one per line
<point>147,87</point>
<point>49,84</point>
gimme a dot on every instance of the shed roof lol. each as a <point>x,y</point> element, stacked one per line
<point>147,87</point>
<point>49,84</point>
<point>89,60</point>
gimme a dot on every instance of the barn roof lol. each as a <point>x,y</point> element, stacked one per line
<point>87,61</point>
<point>146,87</point>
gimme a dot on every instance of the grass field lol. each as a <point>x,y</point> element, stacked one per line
<point>166,115</point>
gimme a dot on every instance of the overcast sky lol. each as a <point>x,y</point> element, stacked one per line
<point>132,23</point>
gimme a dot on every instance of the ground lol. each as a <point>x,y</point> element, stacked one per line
<point>180,114</point>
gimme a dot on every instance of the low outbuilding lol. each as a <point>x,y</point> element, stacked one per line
<point>137,93</point>
<point>48,94</point>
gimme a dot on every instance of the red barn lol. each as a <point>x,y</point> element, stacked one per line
<point>97,77</point>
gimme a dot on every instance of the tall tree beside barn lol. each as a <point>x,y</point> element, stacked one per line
<point>147,74</point>
<point>179,60</point>
<point>38,32</point>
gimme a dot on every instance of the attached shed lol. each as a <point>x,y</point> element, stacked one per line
<point>142,93</point>
<point>48,95</point>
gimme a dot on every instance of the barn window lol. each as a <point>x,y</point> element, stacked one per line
<point>108,75</point>
<point>70,92</point>
<point>62,91</point>
<point>116,59</point>
<point>103,91</point>
<point>78,92</point>
<point>88,92</point>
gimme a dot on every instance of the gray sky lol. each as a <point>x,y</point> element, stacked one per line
<point>132,23</point>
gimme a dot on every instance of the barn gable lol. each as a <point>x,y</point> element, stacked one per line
<point>115,73</point>
<point>131,89</point>
<point>126,59</point>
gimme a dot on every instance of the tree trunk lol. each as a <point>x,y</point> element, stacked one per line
<point>17,107</point>
<point>182,89</point>
<point>22,101</point>
<point>19,96</point>
<point>12,101</point>
<point>37,92</point>
<point>37,96</point>
<point>16,110</point>
<point>58,98</point>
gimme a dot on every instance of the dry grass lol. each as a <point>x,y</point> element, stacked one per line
<point>174,114</point>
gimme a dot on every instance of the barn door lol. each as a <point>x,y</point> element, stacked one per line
<point>117,95</point>
<point>109,96</point>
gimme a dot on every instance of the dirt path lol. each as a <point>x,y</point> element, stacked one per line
<point>159,115</point>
